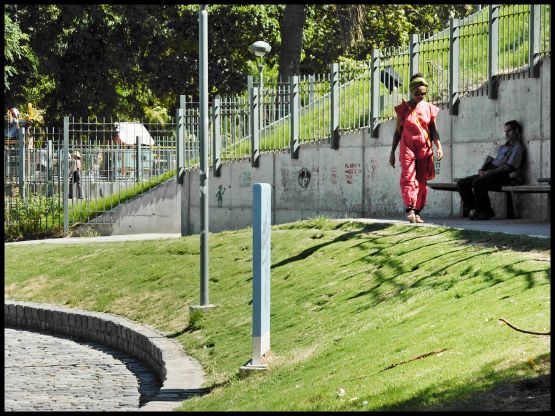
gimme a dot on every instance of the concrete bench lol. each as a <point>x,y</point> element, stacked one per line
<point>533,189</point>
<point>452,186</point>
<point>529,189</point>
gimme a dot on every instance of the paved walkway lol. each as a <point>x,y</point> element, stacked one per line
<point>524,227</point>
<point>47,373</point>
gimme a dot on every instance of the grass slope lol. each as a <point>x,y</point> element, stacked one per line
<point>363,316</point>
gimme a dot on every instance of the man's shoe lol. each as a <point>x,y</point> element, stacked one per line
<point>482,216</point>
<point>418,220</point>
<point>472,214</point>
<point>411,216</point>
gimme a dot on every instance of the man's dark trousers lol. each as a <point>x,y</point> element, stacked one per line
<point>479,198</point>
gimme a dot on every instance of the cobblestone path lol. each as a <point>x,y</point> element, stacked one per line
<point>47,373</point>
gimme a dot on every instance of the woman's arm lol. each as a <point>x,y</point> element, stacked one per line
<point>435,137</point>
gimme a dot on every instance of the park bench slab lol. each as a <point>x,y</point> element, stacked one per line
<point>528,188</point>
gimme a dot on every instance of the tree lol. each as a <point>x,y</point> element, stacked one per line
<point>18,56</point>
<point>291,30</point>
<point>131,60</point>
<point>351,19</point>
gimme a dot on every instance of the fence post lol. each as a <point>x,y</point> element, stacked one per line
<point>254,120</point>
<point>180,168</point>
<point>413,53</point>
<point>216,156</point>
<point>21,165</point>
<point>375,92</point>
<point>138,159</point>
<point>334,106</point>
<point>454,63</point>
<point>310,89</point>
<point>493,50</point>
<point>294,116</point>
<point>535,37</point>
<point>117,154</point>
<point>49,176</point>
<point>65,173</point>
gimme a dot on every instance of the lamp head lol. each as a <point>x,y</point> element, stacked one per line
<point>260,48</point>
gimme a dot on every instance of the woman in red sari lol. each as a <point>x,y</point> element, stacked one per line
<point>415,131</point>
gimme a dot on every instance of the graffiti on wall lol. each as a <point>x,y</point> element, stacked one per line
<point>245,180</point>
<point>333,175</point>
<point>351,170</point>
<point>304,178</point>
<point>220,195</point>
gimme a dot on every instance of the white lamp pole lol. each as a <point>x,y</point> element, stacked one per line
<point>260,49</point>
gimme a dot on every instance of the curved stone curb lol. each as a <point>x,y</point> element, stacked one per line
<point>182,376</point>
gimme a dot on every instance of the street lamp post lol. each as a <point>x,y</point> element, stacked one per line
<point>260,49</point>
<point>203,171</point>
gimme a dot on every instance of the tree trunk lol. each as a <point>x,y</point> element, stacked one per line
<point>291,40</point>
<point>351,21</point>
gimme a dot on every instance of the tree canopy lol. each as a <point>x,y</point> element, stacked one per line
<point>132,61</point>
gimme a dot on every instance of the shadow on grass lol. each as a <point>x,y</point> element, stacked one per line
<point>494,390</point>
<point>393,273</point>
<point>343,237</point>
<point>515,242</point>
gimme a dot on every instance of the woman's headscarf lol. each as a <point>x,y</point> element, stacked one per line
<point>417,82</point>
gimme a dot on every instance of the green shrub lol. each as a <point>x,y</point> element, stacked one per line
<point>35,217</point>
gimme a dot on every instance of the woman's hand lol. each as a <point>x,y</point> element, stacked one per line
<point>439,153</point>
<point>392,159</point>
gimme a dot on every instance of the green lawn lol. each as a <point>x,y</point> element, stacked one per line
<point>399,317</point>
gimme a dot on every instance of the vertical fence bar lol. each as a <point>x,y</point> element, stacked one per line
<point>217,136</point>
<point>294,116</point>
<point>21,162</point>
<point>334,106</point>
<point>369,93</point>
<point>493,49</point>
<point>180,140</point>
<point>254,120</point>
<point>534,39</point>
<point>49,178</point>
<point>454,62</point>
<point>375,93</point>
<point>310,89</point>
<point>137,159</point>
<point>65,175</point>
<point>413,54</point>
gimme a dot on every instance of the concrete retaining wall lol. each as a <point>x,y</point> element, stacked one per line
<point>356,180</point>
<point>155,211</point>
<point>180,374</point>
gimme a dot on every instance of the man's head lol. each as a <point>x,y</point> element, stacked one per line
<point>14,112</point>
<point>512,130</point>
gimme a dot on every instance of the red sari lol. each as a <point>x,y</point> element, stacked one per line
<point>416,152</point>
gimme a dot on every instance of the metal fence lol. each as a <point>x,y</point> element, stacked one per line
<point>464,59</point>
<point>116,159</point>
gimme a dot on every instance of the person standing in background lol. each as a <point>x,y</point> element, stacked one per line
<point>75,174</point>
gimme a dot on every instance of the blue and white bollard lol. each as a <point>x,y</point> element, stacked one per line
<point>261,261</point>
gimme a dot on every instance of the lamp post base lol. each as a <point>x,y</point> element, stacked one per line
<point>202,308</point>
<point>249,367</point>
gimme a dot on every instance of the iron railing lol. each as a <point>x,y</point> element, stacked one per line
<point>463,59</point>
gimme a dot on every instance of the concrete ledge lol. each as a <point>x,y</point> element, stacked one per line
<point>181,376</point>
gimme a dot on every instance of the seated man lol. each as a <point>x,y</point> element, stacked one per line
<point>495,174</point>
